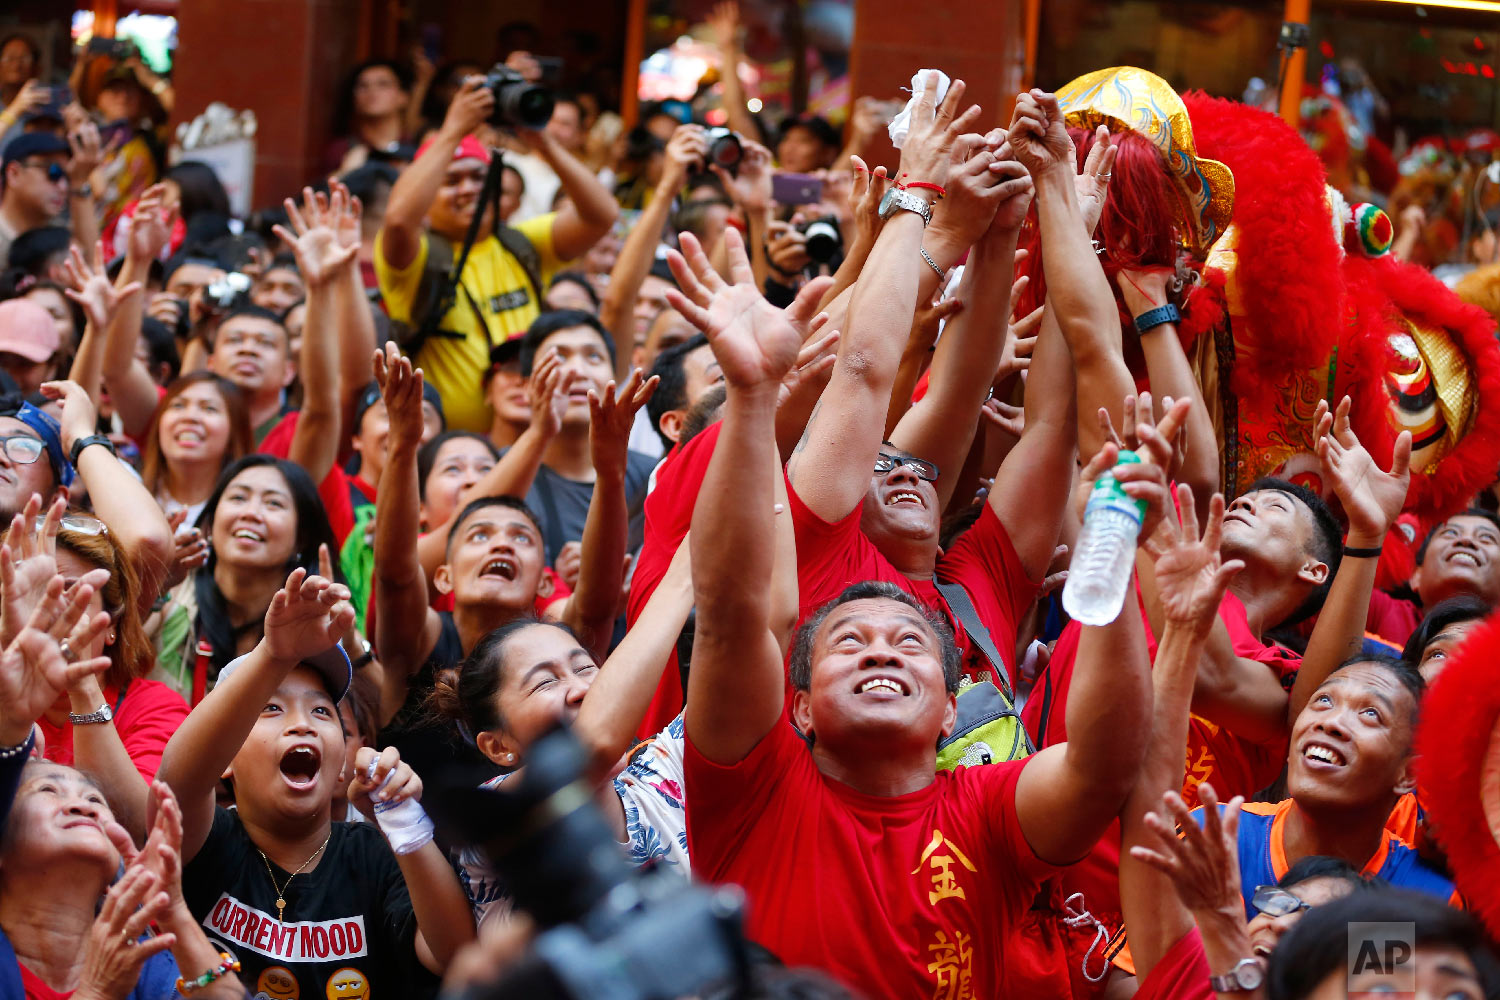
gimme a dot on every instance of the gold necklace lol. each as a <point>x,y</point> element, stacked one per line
<point>281,889</point>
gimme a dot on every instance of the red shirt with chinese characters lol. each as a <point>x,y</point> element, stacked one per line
<point>901,896</point>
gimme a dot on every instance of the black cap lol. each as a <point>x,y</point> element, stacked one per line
<point>506,352</point>
<point>371,395</point>
<point>31,144</point>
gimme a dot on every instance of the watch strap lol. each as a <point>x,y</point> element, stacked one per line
<point>901,200</point>
<point>101,714</point>
<point>1152,318</point>
<point>83,443</point>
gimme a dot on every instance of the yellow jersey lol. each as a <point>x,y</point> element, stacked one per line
<point>495,282</point>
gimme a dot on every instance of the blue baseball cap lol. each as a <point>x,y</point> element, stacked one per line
<point>47,429</point>
<point>332,665</point>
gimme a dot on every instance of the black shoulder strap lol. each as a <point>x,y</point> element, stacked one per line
<point>963,609</point>
<point>447,292</point>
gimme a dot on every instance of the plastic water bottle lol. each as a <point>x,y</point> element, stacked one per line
<point>405,824</point>
<point>1100,571</point>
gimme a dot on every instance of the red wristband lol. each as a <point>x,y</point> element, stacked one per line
<point>926,186</point>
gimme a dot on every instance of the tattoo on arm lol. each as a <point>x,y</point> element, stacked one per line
<point>812,418</point>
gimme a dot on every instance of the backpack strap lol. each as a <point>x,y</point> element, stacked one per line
<point>963,610</point>
<point>518,246</point>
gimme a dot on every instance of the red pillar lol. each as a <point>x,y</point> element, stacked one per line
<point>283,59</point>
<point>983,42</point>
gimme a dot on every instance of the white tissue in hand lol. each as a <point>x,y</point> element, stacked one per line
<point>901,124</point>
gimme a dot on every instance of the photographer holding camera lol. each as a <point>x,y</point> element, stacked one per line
<point>499,288</point>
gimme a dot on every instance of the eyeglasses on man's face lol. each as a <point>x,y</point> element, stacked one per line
<point>1275,901</point>
<point>924,470</point>
<point>23,449</point>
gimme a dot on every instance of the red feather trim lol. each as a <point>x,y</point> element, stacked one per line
<point>1458,715</point>
<point>1288,269</point>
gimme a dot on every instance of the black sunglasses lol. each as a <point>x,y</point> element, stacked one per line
<point>925,470</point>
<point>54,170</point>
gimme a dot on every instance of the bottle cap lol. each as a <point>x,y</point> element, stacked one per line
<point>1108,492</point>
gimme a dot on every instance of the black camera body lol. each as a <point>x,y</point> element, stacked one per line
<point>608,931</point>
<point>518,102</point>
<point>824,240</point>
<point>117,49</point>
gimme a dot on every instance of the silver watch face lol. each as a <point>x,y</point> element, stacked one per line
<point>1250,974</point>
<point>887,202</point>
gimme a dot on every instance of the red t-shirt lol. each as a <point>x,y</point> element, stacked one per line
<point>38,990</point>
<point>145,719</point>
<point>831,557</point>
<point>1392,618</point>
<point>668,516</point>
<point>1182,973</point>
<point>900,897</point>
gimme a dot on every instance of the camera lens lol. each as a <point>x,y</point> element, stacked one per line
<point>824,241</point>
<point>724,148</point>
<point>516,101</point>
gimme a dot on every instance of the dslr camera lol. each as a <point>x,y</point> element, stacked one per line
<point>724,149</point>
<point>518,102</point>
<point>606,930</point>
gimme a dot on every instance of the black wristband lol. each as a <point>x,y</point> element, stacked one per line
<point>83,443</point>
<point>1358,553</point>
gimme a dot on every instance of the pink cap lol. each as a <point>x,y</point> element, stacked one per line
<point>28,330</point>
<point>469,149</point>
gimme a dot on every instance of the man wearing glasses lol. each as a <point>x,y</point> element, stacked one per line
<point>35,186</point>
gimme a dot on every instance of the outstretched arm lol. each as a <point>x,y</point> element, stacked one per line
<point>1191,579</point>
<point>830,469</point>
<point>1372,500</point>
<point>591,609</point>
<point>306,617</point>
<point>724,23</point>
<point>130,385</point>
<point>590,210</point>
<point>736,686</point>
<point>1069,793</point>
<point>324,262</point>
<point>401,599</point>
<point>940,427</point>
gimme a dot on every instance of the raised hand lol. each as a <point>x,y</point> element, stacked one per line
<point>612,415</point>
<point>724,25</point>
<point>1191,575</point>
<point>1372,499</point>
<point>345,211</point>
<point>321,254</point>
<point>87,152</point>
<point>1039,135</point>
<point>189,549</point>
<point>91,288</point>
<point>28,562</point>
<point>40,663</point>
<point>151,225</point>
<point>1160,443</point>
<point>306,617</point>
<point>162,853</point>
<point>1092,185</point>
<point>686,151</point>
<point>755,343</point>
<point>114,954</point>
<point>548,388</point>
<point>80,415</point>
<point>928,154</point>
<point>1013,191</point>
<point>401,388</point>
<point>1203,863</point>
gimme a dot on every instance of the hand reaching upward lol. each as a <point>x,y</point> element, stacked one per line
<point>1371,498</point>
<point>755,343</point>
<point>307,616</point>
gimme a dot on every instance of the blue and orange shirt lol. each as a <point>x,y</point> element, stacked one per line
<point>1262,845</point>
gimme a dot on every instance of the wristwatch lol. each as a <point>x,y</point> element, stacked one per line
<point>897,200</point>
<point>84,190</point>
<point>101,714</point>
<point>1153,318</point>
<point>83,443</point>
<point>1247,975</point>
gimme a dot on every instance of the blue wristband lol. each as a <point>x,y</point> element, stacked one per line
<point>1152,318</point>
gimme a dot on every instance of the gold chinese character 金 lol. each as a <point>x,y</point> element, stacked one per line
<point>945,884</point>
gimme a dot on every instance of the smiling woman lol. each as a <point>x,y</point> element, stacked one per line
<point>263,520</point>
<point>198,429</point>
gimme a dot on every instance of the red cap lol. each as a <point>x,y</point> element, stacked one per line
<point>469,148</point>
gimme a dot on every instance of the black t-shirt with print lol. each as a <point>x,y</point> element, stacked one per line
<point>349,929</point>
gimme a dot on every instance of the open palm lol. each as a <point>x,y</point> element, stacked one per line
<point>1191,575</point>
<point>754,342</point>
<point>307,616</point>
<point>34,672</point>
<point>1372,498</point>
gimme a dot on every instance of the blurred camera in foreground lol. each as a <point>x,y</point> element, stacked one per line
<point>518,103</point>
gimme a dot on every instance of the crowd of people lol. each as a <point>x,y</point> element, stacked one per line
<point>758,472</point>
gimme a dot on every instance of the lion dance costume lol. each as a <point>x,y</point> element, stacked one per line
<point>1293,298</point>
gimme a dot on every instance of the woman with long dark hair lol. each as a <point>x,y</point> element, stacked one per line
<point>200,427</point>
<point>263,520</point>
